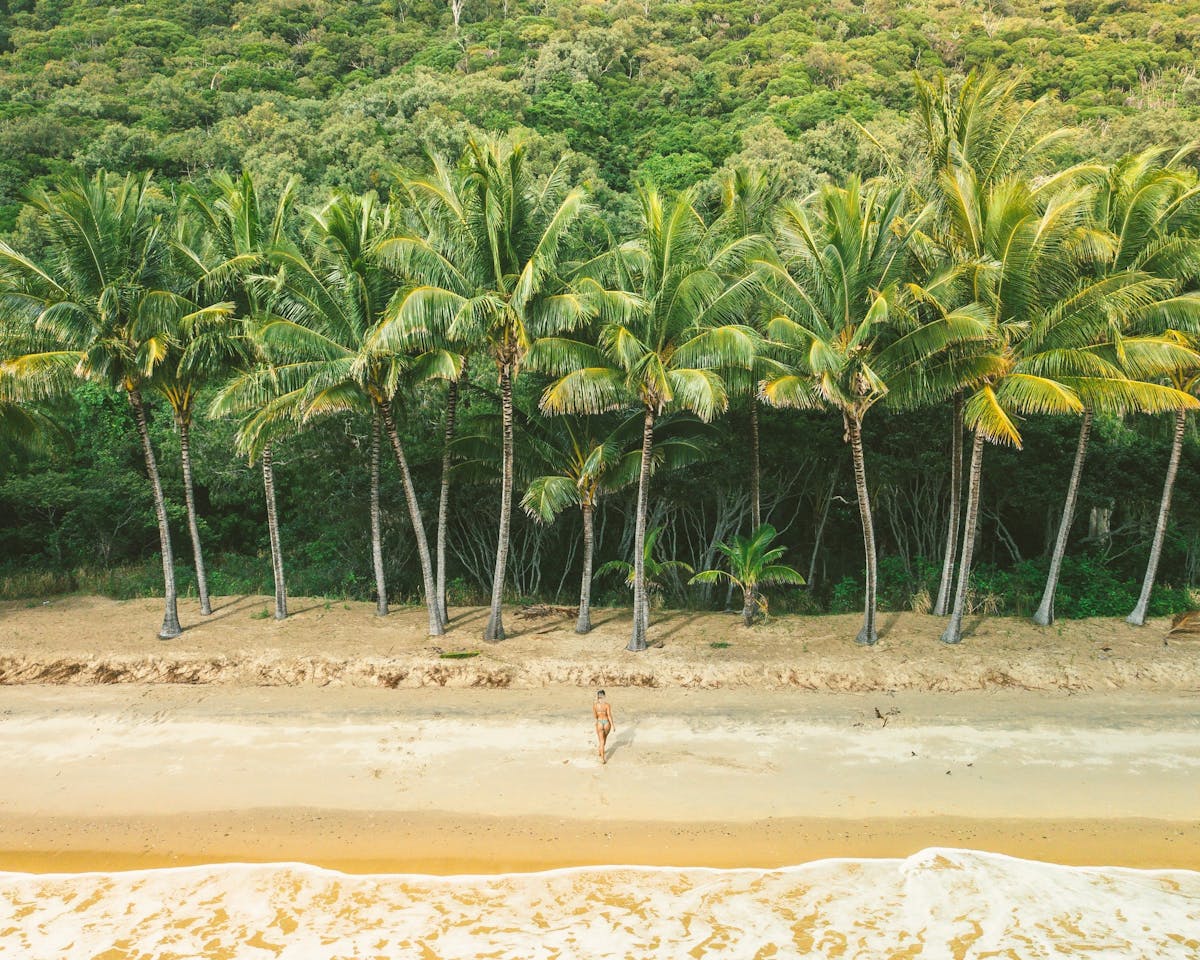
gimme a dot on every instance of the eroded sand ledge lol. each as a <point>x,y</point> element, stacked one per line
<point>92,640</point>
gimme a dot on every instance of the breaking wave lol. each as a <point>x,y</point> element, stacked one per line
<point>939,903</point>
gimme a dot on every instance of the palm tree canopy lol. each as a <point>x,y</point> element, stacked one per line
<point>106,302</point>
<point>679,323</point>
<point>752,562</point>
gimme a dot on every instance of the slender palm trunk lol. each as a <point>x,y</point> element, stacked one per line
<point>953,632</point>
<point>956,462</point>
<point>436,628</point>
<point>867,635</point>
<point>268,468</point>
<point>495,624</point>
<point>817,537</point>
<point>641,610</point>
<point>189,496</point>
<point>1045,611</point>
<point>755,468</point>
<point>381,603</point>
<point>1138,616</point>
<point>584,624</point>
<point>444,500</point>
<point>170,625</point>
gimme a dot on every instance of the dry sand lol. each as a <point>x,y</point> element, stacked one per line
<point>376,780</point>
<point>88,640</point>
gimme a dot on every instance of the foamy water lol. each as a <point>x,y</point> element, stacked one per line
<point>935,904</point>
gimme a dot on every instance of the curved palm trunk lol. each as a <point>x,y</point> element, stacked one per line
<point>1045,611</point>
<point>584,624</point>
<point>381,603</point>
<point>953,632</point>
<point>414,512</point>
<point>956,461</point>
<point>641,611</point>
<point>185,455</point>
<point>268,469</point>
<point>170,625</point>
<point>755,469</point>
<point>444,501</point>
<point>1138,616</point>
<point>867,635</point>
<point>495,625</point>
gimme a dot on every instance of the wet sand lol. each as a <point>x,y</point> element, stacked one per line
<point>454,781</point>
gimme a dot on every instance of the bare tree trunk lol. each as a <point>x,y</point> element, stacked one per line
<point>641,603</point>
<point>444,500</point>
<point>414,514</point>
<point>953,632</point>
<point>584,624</point>
<point>495,625</point>
<point>268,468</point>
<point>1045,611</point>
<point>867,635</point>
<point>755,468</point>
<point>1138,616</point>
<point>170,625</point>
<point>185,455</point>
<point>956,461</point>
<point>381,603</point>
<point>820,532</point>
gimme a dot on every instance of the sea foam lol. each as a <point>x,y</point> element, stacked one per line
<point>939,903</point>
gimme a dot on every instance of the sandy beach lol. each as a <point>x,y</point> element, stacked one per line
<point>92,640</point>
<point>490,781</point>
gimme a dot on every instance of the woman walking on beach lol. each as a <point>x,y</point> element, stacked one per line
<point>602,713</point>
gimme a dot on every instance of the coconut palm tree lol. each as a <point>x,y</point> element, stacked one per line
<point>659,347</point>
<point>982,124</point>
<point>1141,208</point>
<point>327,302</point>
<point>592,460</point>
<point>1048,351</point>
<point>103,304</point>
<point>1188,381</point>
<point>753,562</point>
<point>842,323</point>
<point>485,268</point>
<point>749,200</point>
<point>654,571</point>
<point>224,245</point>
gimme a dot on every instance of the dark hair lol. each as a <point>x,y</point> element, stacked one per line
<point>599,693</point>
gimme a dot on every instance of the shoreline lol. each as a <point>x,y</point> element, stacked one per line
<point>429,844</point>
<point>499,781</point>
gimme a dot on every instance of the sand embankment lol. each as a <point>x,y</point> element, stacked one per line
<point>91,640</point>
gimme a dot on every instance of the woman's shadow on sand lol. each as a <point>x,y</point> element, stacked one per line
<point>621,740</point>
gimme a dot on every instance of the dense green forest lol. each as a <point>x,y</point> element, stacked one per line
<point>699,128</point>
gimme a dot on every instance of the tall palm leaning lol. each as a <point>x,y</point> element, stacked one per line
<point>327,302</point>
<point>104,304</point>
<point>1140,213</point>
<point>1188,381</point>
<point>225,237</point>
<point>749,201</point>
<point>590,463</point>
<point>485,267</point>
<point>840,324</point>
<point>753,562</point>
<point>1048,351</point>
<point>660,346</point>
